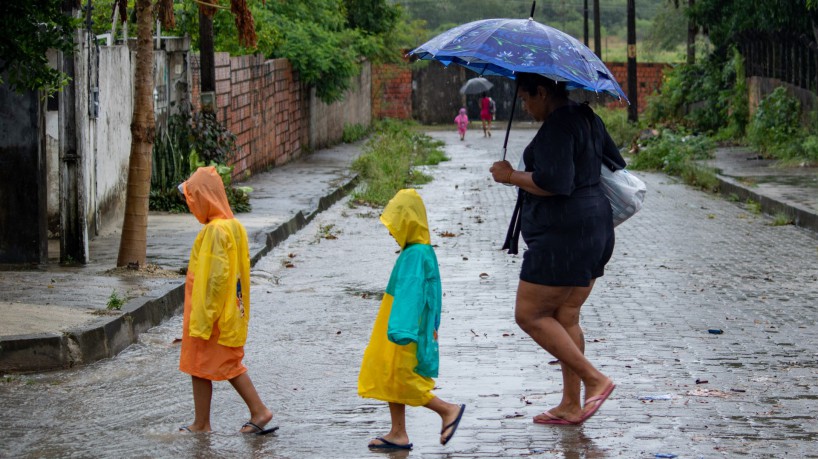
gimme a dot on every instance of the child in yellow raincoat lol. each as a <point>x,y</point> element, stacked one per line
<point>217,304</point>
<point>402,356</point>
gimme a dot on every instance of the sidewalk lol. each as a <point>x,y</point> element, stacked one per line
<point>56,317</point>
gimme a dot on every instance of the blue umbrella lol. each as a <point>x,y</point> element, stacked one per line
<point>508,46</point>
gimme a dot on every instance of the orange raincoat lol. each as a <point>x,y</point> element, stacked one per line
<point>217,287</point>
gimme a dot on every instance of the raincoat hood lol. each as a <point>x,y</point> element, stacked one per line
<point>462,111</point>
<point>205,195</point>
<point>405,218</point>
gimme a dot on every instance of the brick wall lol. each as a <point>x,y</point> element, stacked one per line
<point>648,76</point>
<point>263,103</point>
<point>392,91</point>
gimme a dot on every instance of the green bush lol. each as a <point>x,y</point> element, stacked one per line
<point>678,154</point>
<point>616,122</point>
<point>702,96</point>
<point>193,140</point>
<point>389,159</point>
<point>774,129</point>
<point>354,132</point>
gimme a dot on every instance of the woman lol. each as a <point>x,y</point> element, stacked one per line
<point>567,225</point>
<point>485,114</point>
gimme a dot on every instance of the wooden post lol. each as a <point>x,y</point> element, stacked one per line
<point>633,109</point>
<point>585,22</point>
<point>207,62</point>
<point>597,31</point>
<point>691,36</point>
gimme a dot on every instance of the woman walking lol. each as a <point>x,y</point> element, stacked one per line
<point>566,223</point>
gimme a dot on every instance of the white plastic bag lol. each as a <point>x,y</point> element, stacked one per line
<point>625,191</point>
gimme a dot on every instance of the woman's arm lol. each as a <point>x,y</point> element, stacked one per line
<point>502,172</point>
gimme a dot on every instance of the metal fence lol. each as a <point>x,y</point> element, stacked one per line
<point>781,55</point>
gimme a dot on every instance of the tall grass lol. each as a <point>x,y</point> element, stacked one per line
<point>390,158</point>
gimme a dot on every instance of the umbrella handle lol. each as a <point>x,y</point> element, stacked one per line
<point>511,116</point>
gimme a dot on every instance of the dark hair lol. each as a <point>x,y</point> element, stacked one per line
<point>530,81</point>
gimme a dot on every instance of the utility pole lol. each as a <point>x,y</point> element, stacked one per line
<point>597,31</point>
<point>691,36</point>
<point>633,113</point>
<point>73,229</point>
<point>207,62</point>
<point>585,22</point>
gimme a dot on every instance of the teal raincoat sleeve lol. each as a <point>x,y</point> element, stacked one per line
<point>415,318</point>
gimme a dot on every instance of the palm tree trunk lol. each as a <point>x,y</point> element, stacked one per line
<point>133,241</point>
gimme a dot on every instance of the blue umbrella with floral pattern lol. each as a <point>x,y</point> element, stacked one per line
<point>509,46</point>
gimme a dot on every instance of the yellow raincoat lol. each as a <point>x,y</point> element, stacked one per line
<point>217,287</point>
<point>402,355</point>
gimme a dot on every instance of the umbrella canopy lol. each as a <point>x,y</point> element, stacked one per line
<point>476,86</point>
<point>508,46</point>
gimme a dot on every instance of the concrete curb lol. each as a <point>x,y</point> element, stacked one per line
<point>801,217</point>
<point>108,337</point>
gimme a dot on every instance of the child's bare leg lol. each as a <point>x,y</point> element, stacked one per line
<point>397,434</point>
<point>260,415</point>
<point>202,394</point>
<point>448,414</point>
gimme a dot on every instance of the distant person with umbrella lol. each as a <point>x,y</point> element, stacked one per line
<point>485,114</point>
<point>566,222</point>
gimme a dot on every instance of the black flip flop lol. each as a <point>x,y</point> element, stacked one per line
<point>259,430</point>
<point>386,444</point>
<point>453,425</point>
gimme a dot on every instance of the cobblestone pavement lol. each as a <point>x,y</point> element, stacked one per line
<point>688,263</point>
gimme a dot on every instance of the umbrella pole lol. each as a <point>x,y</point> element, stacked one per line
<point>511,116</point>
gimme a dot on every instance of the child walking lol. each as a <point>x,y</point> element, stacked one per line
<point>462,122</point>
<point>217,304</point>
<point>402,355</point>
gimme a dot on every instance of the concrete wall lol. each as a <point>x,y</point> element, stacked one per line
<point>327,121</point>
<point>759,87</point>
<point>113,135</point>
<point>23,237</point>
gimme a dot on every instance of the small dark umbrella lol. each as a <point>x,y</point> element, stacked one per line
<point>476,86</point>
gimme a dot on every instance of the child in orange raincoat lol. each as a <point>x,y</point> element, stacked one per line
<point>402,356</point>
<point>217,304</point>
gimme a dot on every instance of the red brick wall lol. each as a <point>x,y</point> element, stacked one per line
<point>392,91</point>
<point>648,77</point>
<point>264,104</point>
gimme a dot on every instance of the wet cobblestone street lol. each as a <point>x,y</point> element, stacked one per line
<point>689,262</point>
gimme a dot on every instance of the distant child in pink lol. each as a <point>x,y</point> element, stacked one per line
<point>462,122</point>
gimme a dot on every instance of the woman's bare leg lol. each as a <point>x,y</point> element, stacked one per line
<point>550,315</point>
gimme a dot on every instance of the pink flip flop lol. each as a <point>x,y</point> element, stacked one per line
<point>554,420</point>
<point>596,402</point>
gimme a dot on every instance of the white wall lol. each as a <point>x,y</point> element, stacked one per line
<point>327,121</point>
<point>113,134</point>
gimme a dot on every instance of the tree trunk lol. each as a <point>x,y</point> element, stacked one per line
<point>133,241</point>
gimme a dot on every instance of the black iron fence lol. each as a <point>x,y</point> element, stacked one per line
<point>784,56</point>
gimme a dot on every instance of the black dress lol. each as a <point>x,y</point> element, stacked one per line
<point>570,235</point>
